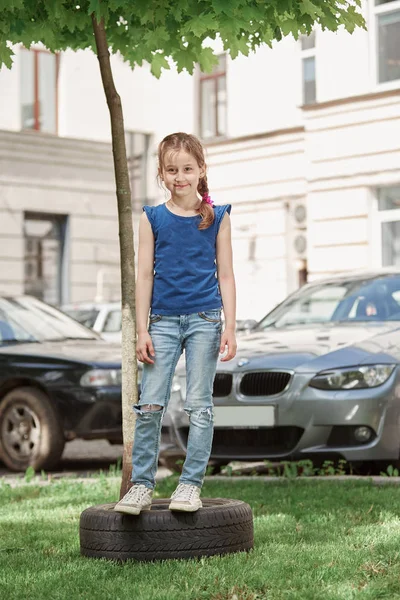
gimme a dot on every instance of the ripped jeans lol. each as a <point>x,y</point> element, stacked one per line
<point>199,335</point>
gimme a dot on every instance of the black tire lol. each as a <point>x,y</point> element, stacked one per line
<point>222,526</point>
<point>30,432</point>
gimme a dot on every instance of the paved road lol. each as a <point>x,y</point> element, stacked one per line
<point>85,458</point>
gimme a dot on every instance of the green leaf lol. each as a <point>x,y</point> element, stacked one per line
<point>155,38</point>
<point>278,33</point>
<point>11,5</point>
<point>223,6</point>
<point>306,6</point>
<point>5,54</point>
<point>207,60</point>
<point>239,45</point>
<point>94,7</point>
<point>289,26</point>
<point>158,62</point>
<point>148,17</point>
<point>184,60</point>
<point>201,24</point>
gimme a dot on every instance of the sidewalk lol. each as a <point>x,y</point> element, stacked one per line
<point>16,480</point>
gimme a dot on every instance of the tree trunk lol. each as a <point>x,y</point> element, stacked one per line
<point>127,254</point>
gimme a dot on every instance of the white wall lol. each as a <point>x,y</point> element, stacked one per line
<point>252,175</point>
<point>52,175</point>
<point>352,148</point>
<point>149,105</point>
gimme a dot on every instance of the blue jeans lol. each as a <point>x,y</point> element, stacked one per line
<point>199,335</point>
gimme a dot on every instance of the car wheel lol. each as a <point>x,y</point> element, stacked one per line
<point>222,526</point>
<point>30,432</point>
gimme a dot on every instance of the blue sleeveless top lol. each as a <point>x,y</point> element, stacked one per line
<point>185,271</point>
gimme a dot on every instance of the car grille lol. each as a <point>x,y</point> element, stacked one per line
<point>222,385</point>
<point>261,442</point>
<point>266,383</point>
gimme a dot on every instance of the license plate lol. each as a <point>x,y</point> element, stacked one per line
<point>244,416</point>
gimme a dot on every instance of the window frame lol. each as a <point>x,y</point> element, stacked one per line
<point>306,54</point>
<point>61,222</point>
<point>36,52</point>
<point>209,77</point>
<point>375,11</point>
<point>377,218</point>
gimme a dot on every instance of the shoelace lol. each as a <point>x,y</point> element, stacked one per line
<point>186,492</point>
<point>137,492</point>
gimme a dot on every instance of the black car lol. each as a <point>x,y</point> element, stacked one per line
<point>58,381</point>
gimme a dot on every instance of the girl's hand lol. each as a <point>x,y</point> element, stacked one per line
<point>144,348</point>
<point>228,338</point>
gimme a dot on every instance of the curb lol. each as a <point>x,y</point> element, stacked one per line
<point>15,481</point>
<point>376,479</point>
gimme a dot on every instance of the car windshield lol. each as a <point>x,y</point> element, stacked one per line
<point>26,319</point>
<point>86,317</point>
<point>360,300</point>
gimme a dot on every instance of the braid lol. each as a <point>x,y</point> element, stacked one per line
<point>205,210</point>
<point>202,188</point>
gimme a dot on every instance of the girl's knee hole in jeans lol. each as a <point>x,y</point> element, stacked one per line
<point>202,415</point>
<point>142,409</point>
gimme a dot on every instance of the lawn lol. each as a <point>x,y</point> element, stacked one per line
<point>313,540</point>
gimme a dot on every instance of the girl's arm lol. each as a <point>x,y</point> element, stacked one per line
<point>144,288</point>
<point>227,286</point>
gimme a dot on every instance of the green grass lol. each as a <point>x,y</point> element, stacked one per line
<point>313,540</point>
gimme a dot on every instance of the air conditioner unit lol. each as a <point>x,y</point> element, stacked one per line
<point>300,214</point>
<point>300,244</point>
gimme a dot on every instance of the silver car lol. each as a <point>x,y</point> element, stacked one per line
<point>317,377</point>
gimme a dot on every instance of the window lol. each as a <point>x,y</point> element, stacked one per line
<point>39,71</point>
<point>388,203</point>
<point>138,146</point>
<point>213,101</point>
<point>387,28</point>
<point>308,68</point>
<point>113,322</point>
<point>45,260</point>
<point>353,299</point>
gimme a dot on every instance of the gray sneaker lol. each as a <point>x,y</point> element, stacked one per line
<point>138,498</point>
<point>186,497</point>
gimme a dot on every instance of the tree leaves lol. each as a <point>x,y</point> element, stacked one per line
<point>310,8</point>
<point>154,30</point>
<point>207,60</point>
<point>158,62</point>
<point>6,54</point>
<point>202,24</point>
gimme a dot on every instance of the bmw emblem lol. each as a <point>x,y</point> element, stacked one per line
<point>242,362</point>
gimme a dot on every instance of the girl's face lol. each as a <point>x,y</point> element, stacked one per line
<point>181,174</point>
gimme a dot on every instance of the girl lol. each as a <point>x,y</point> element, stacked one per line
<point>185,276</point>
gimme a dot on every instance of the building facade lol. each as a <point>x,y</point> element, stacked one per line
<point>302,139</point>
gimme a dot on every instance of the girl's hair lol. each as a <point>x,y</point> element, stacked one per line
<point>190,144</point>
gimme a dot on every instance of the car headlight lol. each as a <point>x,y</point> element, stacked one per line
<point>367,376</point>
<point>101,377</point>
